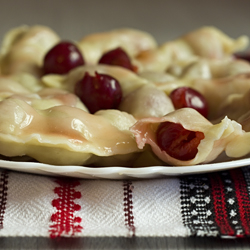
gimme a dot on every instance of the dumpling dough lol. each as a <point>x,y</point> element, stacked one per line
<point>64,135</point>
<point>131,40</point>
<point>217,137</point>
<point>128,80</point>
<point>147,101</point>
<point>217,90</point>
<point>207,42</point>
<point>215,79</point>
<point>24,47</point>
<point>41,117</point>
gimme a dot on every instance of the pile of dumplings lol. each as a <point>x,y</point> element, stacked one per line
<point>43,120</point>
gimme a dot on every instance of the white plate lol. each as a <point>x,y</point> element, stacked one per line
<point>119,172</point>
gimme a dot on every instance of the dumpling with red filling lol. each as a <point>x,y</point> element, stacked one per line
<point>191,140</point>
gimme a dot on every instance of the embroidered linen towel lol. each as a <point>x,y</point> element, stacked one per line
<point>215,204</point>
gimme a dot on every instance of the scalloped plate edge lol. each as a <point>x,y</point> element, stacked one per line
<point>117,172</point>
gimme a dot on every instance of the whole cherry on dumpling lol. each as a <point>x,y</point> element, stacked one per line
<point>62,58</point>
<point>100,91</point>
<point>117,57</point>
<point>186,97</point>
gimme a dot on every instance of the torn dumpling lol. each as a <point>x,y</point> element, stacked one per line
<point>194,132</point>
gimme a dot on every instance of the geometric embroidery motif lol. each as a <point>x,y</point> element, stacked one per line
<point>242,211</point>
<point>3,195</point>
<point>217,204</point>
<point>128,206</point>
<point>196,206</point>
<point>64,221</point>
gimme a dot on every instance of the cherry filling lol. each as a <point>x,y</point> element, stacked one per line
<point>62,58</point>
<point>243,56</point>
<point>117,57</point>
<point>177,141</point>
<point>99,92</point>
<point>185,97</point>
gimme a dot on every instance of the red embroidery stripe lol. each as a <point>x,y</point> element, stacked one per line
<point>128,206</point>
<point>64,221</point>
<point>242,197</point>
<point>221,216</point>
<point>3,195</point>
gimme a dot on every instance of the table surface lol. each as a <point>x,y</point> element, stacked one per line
<point>123,243</point>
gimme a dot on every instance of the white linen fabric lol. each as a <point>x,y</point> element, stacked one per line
<point>89,207</point>
<point>212,204</point>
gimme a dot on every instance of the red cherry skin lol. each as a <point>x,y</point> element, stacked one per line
<point>99,92</point>
<point>186,97</point>
<point>62,58</point>
<point>117,57</point>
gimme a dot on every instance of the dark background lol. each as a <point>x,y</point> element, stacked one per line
<point>72,19</point>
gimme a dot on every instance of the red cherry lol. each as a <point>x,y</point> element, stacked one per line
<point>99,92</point>
<point>117,57</point>
<point>243,56</point>
<point>177,141</point>
<point>62,58</point>
<point>185,97</point>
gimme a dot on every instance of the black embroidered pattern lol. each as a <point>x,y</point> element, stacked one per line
<point>128,206</point>
<point>196,205</point>
<point>3,195</point>
<point>217,204</point>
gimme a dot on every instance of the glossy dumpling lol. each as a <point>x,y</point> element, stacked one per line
<point>217,90</point>
<point>235,106</point>
<point>19,84</point>
<point>9,87</point>
<point>47,98</point>
<point>131,40</point>
<point>128,80</point>
<point>215,83</point>
<point>210,42</point>
<point>207,42</point>
<point>216,137</point>
<point>147,101</point>
<point>213,68</point>
<point>64,135</point>
<point>24,47</point>
<point>198,69</point>
<point>29,89</point>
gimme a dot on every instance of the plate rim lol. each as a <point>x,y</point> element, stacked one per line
<point>119,172</point>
